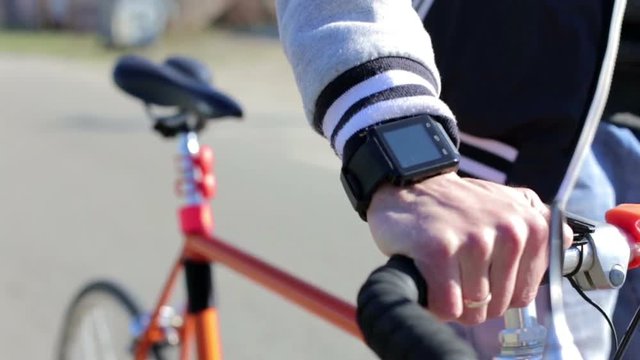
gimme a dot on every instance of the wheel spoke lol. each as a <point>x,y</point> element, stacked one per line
<point>88,346</point>
<point>104,336</point>
<point>98,324</point>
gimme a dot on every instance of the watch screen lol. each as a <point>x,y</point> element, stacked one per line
<point>412,145</point>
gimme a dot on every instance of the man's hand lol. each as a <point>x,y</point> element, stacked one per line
<point>470,239</point>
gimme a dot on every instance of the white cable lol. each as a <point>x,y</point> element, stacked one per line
<point>559,328</point>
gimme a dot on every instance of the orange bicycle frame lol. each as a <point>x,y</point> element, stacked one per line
<point>201,250</point>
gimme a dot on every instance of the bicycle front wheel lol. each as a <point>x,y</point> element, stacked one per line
<point>102,322</point>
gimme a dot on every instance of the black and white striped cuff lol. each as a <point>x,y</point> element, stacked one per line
<point>378,90</point>
<point>486,159</point>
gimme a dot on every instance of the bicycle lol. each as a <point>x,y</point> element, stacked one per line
<point>185,84</point>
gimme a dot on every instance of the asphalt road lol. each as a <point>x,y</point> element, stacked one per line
<point>86,191</point>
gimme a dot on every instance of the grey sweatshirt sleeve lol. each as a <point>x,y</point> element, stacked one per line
<point>360,62</point>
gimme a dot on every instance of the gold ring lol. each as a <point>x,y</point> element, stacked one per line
<point>476,304</point>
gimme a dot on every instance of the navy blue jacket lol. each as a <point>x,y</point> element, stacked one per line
<point>521,72</point>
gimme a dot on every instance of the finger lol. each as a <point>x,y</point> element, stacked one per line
<point>474,276</point>
<point>567,235</point>
<point>533,261</point>
<point>443,281</point>
<point>532,198</point>
<point>567,232</point>
<point>503,273</point>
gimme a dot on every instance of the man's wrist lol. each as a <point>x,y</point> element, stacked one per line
<point>438,180</point>
<point>389,193</point>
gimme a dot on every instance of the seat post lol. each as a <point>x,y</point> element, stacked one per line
<point>188,149</point>
<point>197,186</point>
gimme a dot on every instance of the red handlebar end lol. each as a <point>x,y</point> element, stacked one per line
<point>627,218</point>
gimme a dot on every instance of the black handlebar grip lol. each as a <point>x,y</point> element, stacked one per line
<point>394,322</point>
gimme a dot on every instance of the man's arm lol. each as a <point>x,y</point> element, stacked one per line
<point>359,63</point>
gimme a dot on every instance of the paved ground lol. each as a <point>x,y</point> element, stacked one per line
<point>86,192</point>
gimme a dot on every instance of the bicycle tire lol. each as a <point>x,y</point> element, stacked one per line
<point>89,304</point>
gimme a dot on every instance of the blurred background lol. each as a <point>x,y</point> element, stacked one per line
<point>134,22</point>
<point>86,188</point>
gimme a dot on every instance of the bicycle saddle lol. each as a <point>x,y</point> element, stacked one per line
<point>179,82</point>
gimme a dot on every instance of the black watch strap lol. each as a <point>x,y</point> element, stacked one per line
<point>399,152</point>
<point>363,176</point>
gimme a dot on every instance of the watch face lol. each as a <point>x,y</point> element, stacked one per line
<point>418,147</point>
<point>412,145</point>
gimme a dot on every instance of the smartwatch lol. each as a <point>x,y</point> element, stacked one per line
<point>398,152</point>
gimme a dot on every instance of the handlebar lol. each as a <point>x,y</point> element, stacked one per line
<point>391,304</point>
<point>393,320</point>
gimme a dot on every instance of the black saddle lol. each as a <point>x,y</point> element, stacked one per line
<point>179,82</point>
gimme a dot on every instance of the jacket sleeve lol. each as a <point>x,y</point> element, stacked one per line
<point>360,62</point>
